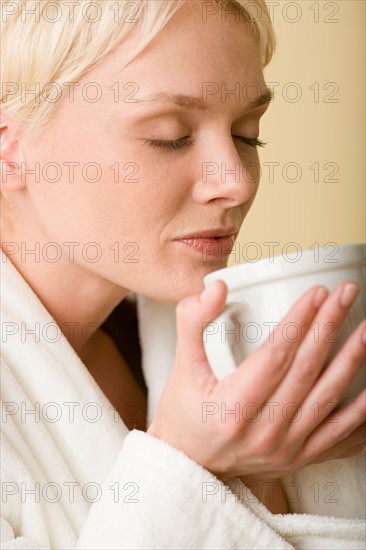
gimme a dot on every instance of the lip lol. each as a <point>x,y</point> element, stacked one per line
<point>210,234</point>
<point>211,244</point>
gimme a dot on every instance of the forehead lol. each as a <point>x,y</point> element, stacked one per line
<point>189,51</point>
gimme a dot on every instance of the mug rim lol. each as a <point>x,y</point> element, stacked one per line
<point>264,270</point>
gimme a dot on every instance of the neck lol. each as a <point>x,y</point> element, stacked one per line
<point>78,299</point>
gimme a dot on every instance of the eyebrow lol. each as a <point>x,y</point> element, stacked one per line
<point>192,102</point>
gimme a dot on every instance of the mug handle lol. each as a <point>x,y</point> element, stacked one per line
<point>218,349</point>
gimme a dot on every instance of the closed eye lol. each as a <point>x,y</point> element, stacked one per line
<point>172,144</point>
<point>175,144</point>
<point>252,142</point>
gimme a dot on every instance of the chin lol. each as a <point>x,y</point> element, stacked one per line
<point>182,284</point>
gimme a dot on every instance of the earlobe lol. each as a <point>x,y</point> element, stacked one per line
<point>10,162</point>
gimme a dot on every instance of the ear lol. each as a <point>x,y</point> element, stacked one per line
<point>10,157</point>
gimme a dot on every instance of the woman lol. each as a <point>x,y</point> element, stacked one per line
<point>130,104</point>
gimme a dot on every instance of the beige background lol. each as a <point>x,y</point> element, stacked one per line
<point>329,57</point>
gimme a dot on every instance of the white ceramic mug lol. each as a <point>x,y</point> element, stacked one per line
<point>260,294</point>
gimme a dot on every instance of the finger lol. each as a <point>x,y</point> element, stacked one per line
<point>334,380</point>
<point>260,373</point>
<point>192,315</point>
<point>349,446</point>
<point>340,425</point>
<point>316,345</point>
<point>353,452</point>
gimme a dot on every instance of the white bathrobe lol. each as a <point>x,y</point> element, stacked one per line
<point>73,476</point>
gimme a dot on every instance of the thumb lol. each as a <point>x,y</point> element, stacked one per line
<point>192,315</point>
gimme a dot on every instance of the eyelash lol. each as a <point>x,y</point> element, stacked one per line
<point>173,144</point>
<point>176,144</point>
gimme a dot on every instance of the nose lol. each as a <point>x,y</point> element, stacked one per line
<point>230,177</point>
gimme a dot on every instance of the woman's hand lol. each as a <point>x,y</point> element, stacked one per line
<point>275,413</point>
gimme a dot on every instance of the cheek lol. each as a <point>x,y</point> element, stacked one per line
<point>162,189</point>
<point>105,191</point>
<point>253,173</point>
<point>251,169</point>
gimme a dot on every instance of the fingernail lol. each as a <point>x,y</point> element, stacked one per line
<point>320,296</point>
<point>349,294</point>
<point>207,292</point>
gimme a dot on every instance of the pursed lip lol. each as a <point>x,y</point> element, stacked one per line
<point>210,234</point>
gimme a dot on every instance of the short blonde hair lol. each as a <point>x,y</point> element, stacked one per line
<point>47,44</point>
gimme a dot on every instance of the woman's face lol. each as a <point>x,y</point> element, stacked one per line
<point>149,194</point>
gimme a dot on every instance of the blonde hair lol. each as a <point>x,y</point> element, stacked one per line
<point>47,44</point>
